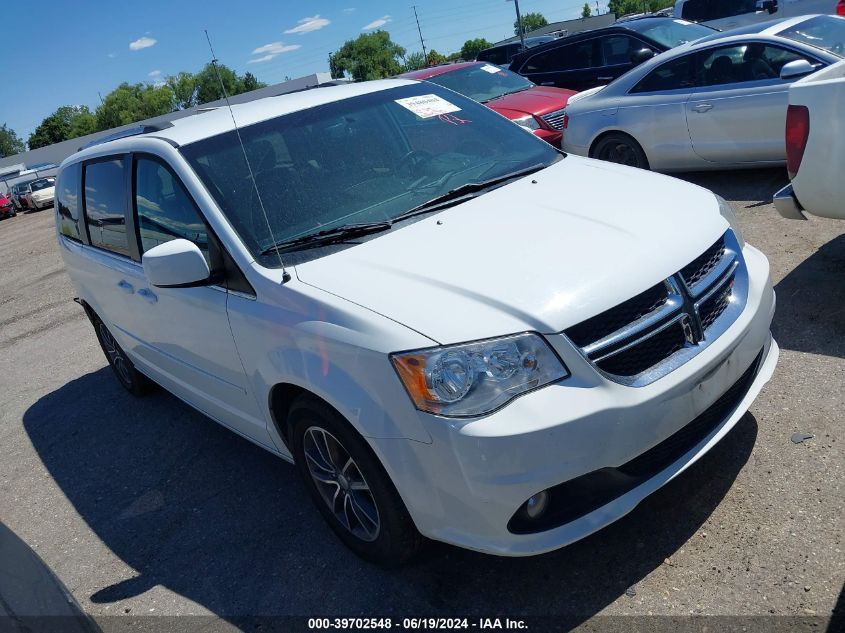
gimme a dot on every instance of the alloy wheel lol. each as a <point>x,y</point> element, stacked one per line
<point>341,483</point>
<point>115,355</point>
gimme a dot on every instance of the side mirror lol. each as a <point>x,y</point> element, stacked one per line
<point>177,263</point>
<point>642,55</point>
<point>798,68</point>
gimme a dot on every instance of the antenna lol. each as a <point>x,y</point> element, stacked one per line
<point>285,274</point>
<point>419,30</point>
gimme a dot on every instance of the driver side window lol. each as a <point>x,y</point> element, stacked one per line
<point>164,209</point>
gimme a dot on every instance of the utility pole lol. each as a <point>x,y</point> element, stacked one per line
<point>598,12</point>
<point>519,24</point>
<point>419,30</point>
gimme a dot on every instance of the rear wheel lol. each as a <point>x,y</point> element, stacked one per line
<point>349,486</point>
<point>132,380</point>
<point>620,148</point>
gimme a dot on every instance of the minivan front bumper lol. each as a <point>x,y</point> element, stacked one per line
<point>468,484</point>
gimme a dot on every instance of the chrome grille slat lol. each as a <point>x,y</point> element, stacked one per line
<point>555,119</point>
<point>700,302</point>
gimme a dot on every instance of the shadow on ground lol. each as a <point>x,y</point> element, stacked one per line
<point>810,316</point>
<point>196,509</point>
<point>745,185</point>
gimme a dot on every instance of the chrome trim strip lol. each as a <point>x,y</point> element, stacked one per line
<point>729,256</point>
<point>673,303</point>
<point>642,339</point>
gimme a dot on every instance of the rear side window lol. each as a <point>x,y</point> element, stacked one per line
<point>578,56</point>
<point>165,211</point>
<point>105,205</point>
<point>67,202</point>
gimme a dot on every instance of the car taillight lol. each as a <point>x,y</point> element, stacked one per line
<point>840,8</point>
<point>797,131</point>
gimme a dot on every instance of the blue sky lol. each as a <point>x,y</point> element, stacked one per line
<point>92,46</point>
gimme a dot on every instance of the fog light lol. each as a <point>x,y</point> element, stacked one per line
<point>536,505</point>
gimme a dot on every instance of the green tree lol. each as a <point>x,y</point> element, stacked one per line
<point>586,11</point>
<point>530,22</point>
<point>10,142</point>
<point>624,7</point>
<point>129,103</point>
<point>369,56</point>
<point>184,87</point>
<point>208,83</point>
<point>435,58</point>
<point>249,82</point>
<point>472,48</point>
<point>335,70</point>
<point>65,123</point>
<point>414,61</point>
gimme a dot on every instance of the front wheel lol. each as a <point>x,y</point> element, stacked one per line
<point>621,149</point>
<point>350,487</point>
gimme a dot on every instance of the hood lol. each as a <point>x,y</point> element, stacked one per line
<point>538,100</point>
<point>542,253</point>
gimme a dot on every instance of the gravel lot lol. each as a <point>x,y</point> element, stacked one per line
<point>145,507</point>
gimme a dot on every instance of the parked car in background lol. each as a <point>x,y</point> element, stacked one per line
<point>715,104</point>
<point>41,193</point>
<point>19,193</point>
<point>451,328</point>
<point>502,54</point>
<point>538,109</point>
<point>731,14</point>
<point>594,58</point>
<point>815,153</point>
<point>7,207</point>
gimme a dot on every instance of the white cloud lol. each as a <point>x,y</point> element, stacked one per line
<point>142,42</point>
<point>154,73</point>
<point>377,23</point>
<point>306,25</point>
<point>275,48</point>
<point>111,55</point>
<point>349,10</point>
<point>159,83</point>
<point>258,60</point>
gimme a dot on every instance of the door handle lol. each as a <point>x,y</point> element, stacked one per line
<point>148,294</point>
<point>548,83</point>
<point>604,78</point>
<point>125,286</point>
<point>703,107</point>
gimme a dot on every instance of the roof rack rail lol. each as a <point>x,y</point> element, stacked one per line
<point>133,131</point>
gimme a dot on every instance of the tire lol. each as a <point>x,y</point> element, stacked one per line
<point>620,148</point>
<point>357,499</point>
<point>132,380</point>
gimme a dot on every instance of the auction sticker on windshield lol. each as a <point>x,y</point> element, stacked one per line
<point>427,106</point>
<point>491,69</point>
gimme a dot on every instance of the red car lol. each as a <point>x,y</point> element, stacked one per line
<point>538,108</point>
<point>7,209</point>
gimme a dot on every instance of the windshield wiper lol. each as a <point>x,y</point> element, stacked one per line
<point>333,235</point>
<point>465,192</point>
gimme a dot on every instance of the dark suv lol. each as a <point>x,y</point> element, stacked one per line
<point>597,57</point>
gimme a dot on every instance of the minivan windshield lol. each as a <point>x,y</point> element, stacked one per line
<point>823,31</point>
<point>482,82</point>
<point>669,32</point>
<point>363,159</point>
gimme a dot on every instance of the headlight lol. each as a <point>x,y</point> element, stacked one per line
<point>528,122</point>
<point>730,216</point>
<point>476,378</point>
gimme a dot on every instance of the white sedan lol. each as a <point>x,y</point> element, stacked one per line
<point>41,193</point>
<point>717,103</point>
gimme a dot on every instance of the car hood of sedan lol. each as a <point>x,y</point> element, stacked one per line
<point>542,253</point>
<point>537,101</point>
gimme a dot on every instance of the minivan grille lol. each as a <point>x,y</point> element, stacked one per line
<point>555,119</point>
<point>645,337</point>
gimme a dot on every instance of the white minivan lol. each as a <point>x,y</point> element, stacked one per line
<point>453,329</point>
<point>730,14</point>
